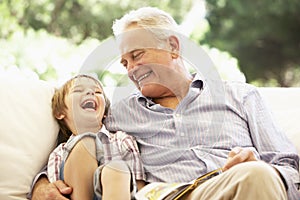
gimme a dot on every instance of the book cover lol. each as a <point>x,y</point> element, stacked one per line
<point>172,191</point>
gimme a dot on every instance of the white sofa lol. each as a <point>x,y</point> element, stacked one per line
<point>28,130</point>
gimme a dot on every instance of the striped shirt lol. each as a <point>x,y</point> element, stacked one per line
<point>108,146</point>
<point>179,145</point>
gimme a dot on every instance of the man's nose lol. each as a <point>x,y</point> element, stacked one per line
<point>130,66</point>
<point>131,73</point>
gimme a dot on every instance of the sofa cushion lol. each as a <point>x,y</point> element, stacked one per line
<point>28,133</point>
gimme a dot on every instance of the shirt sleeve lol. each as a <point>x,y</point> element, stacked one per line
<point>130,153</point>
<point>43,172</point>
<point>54,163</point>
<point>51,170</point>
<point>271,143</point>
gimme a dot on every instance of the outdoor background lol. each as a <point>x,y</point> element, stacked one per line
<point>50,39</point>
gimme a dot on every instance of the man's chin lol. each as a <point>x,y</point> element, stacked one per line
<point>147,90</point>
<point>151,90</point>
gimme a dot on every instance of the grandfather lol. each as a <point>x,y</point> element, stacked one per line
<point>186,125</point>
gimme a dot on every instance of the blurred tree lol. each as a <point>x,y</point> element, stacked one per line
<point>77,19</point>
<point>39,54</point>
<point>49,39</point>
<point>262,34</point>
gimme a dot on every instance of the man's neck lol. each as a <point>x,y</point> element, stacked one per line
<point>168,102</point>
<point>172,101</point>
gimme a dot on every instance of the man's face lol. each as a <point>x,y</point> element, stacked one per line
<point>149,67</point>
<point>85,106</point>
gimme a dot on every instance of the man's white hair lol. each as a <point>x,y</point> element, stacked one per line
<point>160,23</point>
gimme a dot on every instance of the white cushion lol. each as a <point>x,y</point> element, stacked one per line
<point>285,104</point>
<point>27,133</point>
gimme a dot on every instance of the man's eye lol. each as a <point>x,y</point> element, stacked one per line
<point>138,54</point>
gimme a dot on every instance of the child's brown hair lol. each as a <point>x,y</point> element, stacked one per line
<point>59,106</point>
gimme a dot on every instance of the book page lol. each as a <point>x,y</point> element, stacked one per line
<point>158,190</point>
<point>171,191</point>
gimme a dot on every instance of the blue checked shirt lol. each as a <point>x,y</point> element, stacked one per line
<point>182,144</point>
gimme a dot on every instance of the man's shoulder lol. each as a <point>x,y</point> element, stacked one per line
<point>127,102</point>
<point>238,87</point>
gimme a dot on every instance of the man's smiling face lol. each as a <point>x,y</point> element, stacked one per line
<point>148,66</point>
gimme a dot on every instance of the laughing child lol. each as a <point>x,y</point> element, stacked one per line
<point>94,162</point>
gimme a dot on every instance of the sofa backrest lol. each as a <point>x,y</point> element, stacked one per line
<point>285,104</point>
<point>28,133</point>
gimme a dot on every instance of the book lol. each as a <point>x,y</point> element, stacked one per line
<point>172,191</point>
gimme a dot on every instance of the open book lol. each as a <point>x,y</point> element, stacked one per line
<point>172,191</point>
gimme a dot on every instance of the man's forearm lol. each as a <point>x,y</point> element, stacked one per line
<point>41,181</point>
<point>41,174</point>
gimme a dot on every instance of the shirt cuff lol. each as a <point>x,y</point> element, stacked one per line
<point>43,172</point>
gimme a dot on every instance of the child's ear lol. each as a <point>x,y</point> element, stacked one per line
<point>60,116</point>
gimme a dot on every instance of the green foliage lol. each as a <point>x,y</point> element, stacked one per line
<point>49,39</point>
<point>39,54</point>
<point>77,19</point>
<point>262,34</point>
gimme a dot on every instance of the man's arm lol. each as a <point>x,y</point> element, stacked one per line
<point>41,187</point>
<point>44,190</point>
<point>271,143</point>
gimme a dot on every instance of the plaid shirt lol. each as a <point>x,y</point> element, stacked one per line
<point>109,147</point>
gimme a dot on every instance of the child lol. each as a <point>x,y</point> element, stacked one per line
<point>80,106</point>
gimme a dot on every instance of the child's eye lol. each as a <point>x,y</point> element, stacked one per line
<point>98,92</point>
<point>77,90</point>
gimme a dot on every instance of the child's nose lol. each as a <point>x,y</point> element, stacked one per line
<point>90,92</point>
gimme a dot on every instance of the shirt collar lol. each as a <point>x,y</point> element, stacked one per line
<point>197,82</point>
<point>103,130</point>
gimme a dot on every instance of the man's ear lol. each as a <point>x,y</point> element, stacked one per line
<point>174,44</point>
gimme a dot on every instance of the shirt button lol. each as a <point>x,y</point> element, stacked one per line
<point>177,115</point>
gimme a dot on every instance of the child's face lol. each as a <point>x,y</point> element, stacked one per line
<point>85,106</point>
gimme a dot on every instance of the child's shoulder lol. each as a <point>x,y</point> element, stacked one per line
<point>120,135</point>
<point>121,138</point>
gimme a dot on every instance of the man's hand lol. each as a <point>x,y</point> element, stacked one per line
<point>239,155</point>
<point>43,190</point>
